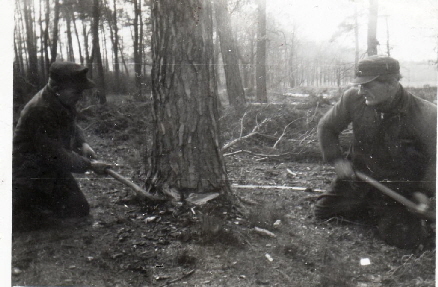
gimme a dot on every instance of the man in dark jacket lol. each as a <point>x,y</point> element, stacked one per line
<point>394,142</point>
<point>48,146</point>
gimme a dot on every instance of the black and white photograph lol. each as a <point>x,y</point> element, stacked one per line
<point>219,143</point>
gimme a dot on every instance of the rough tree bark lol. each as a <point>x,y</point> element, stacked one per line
<point>372,28</point>
<point>261,93</point>
<point>185,153</point>
<point>236,95</point>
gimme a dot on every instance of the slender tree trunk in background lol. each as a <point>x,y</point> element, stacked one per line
<point>217,51</point>
<point>372,28</point>
<point>54,51</point>
<point>356,38</point>
<point>186,153</point>
<point>87,49</point>
<point>388,48</point>
<point>261,93</point>
<point>18,59</point>
<point>291,63</point>
<point>70,51</point>
<point>137,48</point>
<point>252,83</point>
<point>115,48</point>
<point>123,61</point>
<point>46,45</point>
<point>20,30</point>
<point>105,50</point>
<point>32,73</point>
<point>18,38</point>
<point>81,58</point>
<point>140,50</point>
<point>43,71</point>
<point>97,57</point>
<point>236,95</point>
<point>46,40</point>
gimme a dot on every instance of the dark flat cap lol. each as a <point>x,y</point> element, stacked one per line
<point>70,74</point>
<point>372,67</point>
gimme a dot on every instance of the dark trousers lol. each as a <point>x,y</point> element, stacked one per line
<point>357,200</point>
<point>52,193</point>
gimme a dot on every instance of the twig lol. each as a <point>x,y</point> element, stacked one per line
<point>314,114</point>
<point>306,135</point>
<point>264,232</point>
<point>86,108</point>
<point>179,278</point>
<point>284,132</point>
<point>252,133</point>
<point>87,127</point>
<point>241,124</point>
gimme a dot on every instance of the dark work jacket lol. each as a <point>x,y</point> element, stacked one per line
<point>47,138</point>
<point>395,142</point>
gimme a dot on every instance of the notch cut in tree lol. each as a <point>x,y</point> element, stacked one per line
<point>186,153</point>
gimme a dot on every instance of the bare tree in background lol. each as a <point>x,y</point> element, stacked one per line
<point>372,28</point>
<point>32,70</point>
<point>261,92</point>
<point>54,50</point>
<point>236,95</point>
<point>96,54</point>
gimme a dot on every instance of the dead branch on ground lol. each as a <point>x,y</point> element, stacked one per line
<point>284,132</point>
<point>252,133</point>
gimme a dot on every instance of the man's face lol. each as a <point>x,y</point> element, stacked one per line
<point>70,96</point>
<point>376,92</point>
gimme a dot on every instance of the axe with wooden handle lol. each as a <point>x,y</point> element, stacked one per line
<point>138,190</point>
<point>421,209</point>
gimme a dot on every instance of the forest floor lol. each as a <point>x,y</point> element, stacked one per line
<point>130,243</point>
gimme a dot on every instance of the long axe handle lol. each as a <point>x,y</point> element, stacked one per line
<point>138,190</point>
<point>413,207</point>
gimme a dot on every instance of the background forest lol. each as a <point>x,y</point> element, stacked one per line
<point>112,38</point>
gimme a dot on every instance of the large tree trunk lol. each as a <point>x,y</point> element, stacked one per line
<point>186,154</point>
<point>261,92</point>
<point>372,28</point>
<point>236,95</point>
<point>54,51</point>
<point>97,57</point>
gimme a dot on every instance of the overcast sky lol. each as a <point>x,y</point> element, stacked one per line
<point>412,24</point>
